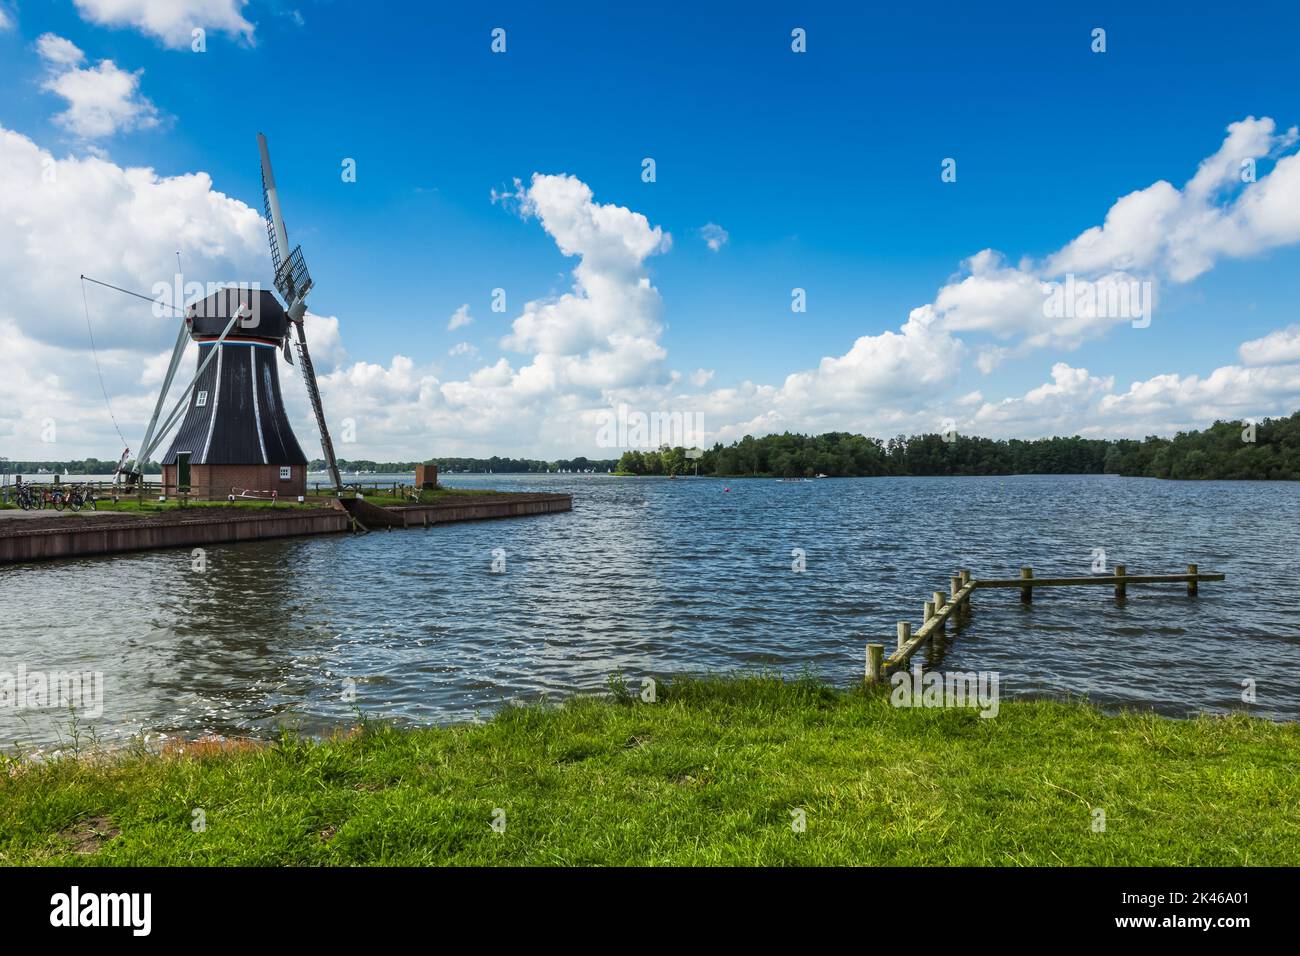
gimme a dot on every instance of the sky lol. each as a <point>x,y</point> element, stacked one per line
<point>858,220</point>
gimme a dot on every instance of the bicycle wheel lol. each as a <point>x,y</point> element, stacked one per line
<point>58,502</point>
<point>74,502</point>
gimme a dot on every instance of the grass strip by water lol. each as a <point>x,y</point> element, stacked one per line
<point>716,771</point>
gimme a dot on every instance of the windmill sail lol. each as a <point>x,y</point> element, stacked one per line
<point>293,282</point>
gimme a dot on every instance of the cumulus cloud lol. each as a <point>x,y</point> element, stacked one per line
<point>170,21</point>
<point>581,349</point>
<point>463,348</point>
<point>102,99</point>
<point>714,236</point>
<point>1277,348</point>
<point>605,332</point>
<point>60,218</point>
<point>1225,210</point>
<point>6,20</point>
<point>1077,402</point>
<point>1153,235</point>
<point>459,318</point>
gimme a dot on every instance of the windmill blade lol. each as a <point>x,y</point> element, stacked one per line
<point>293,282</point>
<point>313,393</point>
<point>275,231</point>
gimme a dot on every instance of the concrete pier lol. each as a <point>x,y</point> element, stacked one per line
<point>36,537</point>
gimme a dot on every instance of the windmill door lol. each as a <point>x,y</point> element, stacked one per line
<point>183,471</point>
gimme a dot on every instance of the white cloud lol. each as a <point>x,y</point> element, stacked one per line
<point>1077,402</point>
<point>463,348</point>
<point>1276,348</point>
<point>325,342</point>
<point>1181,234</point>
<point>6,20</point>
<point>102,100</point>
<point>170,21</point>
<point>1156,234</point>
<point>581,348</point>
<point>60,218</point>
<point>58,51</point>
<point>459,318</point>
<point>603,334</point>
<point>714,236</point>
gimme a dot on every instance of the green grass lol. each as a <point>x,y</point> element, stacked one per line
<point>151,505</point>
<point>709,774</point>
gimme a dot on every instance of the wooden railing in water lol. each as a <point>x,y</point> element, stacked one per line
<point>940,608</point>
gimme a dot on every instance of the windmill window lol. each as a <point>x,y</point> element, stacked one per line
<point>201,400</point>
<point>286,472</point>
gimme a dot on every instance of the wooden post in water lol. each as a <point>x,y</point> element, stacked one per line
<point>927,612</point>
<point>1191,585</point>
<point>954,585</point>
<point>938,607</point>
<point>904,634</point>
<point>1026,590</point>
<point>875,662</point>
<point>1121,588</point>
<point>965,577</point>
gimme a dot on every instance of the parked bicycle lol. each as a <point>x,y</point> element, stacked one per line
<point>79,498</point>
<point>26,498</point>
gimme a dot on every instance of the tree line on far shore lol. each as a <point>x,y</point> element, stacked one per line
<point>1268,450</point>
<point>83,466</point>
<point>495,464</point>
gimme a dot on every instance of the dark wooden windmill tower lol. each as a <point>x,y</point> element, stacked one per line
<point>235,437</point>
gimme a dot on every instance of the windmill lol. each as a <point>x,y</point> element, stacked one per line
<point>293,282</point>
<point>233,428</point>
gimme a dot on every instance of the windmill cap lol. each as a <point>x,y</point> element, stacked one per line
<point>260,314</point>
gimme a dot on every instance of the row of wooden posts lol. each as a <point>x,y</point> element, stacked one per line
<point>955,604</point>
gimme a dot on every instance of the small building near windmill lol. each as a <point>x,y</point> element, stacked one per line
<point>235,437</point>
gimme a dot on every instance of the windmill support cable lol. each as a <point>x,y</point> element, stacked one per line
<point>98,370</point>
<point>171,372</point>
<point>147,298</point>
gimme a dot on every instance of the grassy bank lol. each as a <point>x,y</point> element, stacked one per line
<point>150,505</point>
<point>709,774</point>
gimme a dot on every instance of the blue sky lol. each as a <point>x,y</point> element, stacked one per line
<point>823,168</point>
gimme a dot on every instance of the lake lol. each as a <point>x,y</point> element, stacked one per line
<point>656,577</point>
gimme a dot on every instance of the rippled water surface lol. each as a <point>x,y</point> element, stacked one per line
<point>649,576</point>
